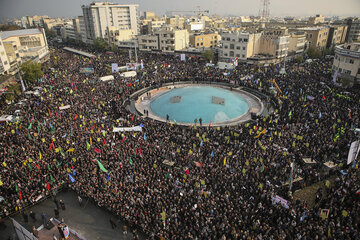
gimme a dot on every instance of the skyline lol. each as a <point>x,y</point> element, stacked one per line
<point>72,8</point>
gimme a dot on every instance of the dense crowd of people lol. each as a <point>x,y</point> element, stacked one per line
<point>225,180</point>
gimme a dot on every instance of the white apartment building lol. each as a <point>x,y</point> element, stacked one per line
<point>297,43</point>
<point>100,16</point>
<point>23,45</point>
<point>4,61</point>
<point>347,61</point>
<point>241,45</point>
<point>166,40</point>
<point>171,40</point>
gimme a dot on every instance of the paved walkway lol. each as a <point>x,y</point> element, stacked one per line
<point>91,222</point>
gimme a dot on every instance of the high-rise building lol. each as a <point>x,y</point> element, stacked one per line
<point>100,16</point>
<point>353,31</point>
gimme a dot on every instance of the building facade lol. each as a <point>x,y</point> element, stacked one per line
<point>317,19</point>
<point>23,45</point>
<point>241,45</point>
<point>353,31</point>
<point>204,40</point>
<point>317,37</point>
<point>4,61</point>
<point>347,61</point>
<point>100,16</point>
<point>297,43</point>
<point>337,35</point>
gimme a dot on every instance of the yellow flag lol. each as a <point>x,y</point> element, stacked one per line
<point>40,156</point>
<point>4,164</point>
<point>1,183</point>
<point>225,161</point>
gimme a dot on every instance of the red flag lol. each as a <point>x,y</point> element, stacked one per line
<point>53,145</point>
<point>20,195</point>
<point>135,151</point>
<point>75,126</point>
<point>38,167</point>
<point>104,142</point>
<point>140,151</point>
<point>187,171</point>
<point>76,116</point>
<point>323,97</point>
<point>49,113</point>
<point>198,164</point>
<point>123,140</point>
<point>47,186</point>
<point>50,148</point>
<point>97,150</point>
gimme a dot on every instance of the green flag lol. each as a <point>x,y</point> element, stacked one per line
<point>29,166</point>
<point>52,178</point>
<point>101,166</point>
<point>262,168</point>
<point>87,146</point>
<point>30,126</point>
<point>130,161</point>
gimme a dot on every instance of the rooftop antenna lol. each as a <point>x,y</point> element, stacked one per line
<point>264,11</point>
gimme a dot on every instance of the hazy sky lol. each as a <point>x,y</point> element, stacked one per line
<point>68,8</point>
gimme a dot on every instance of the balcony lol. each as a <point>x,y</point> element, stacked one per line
<point>346,52</point>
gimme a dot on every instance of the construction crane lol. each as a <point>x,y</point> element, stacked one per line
<point>277,87</point>
<point>199,11</point>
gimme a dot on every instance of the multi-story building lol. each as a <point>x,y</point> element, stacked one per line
<point>149,15</point>
<point>297,43</point>
<point>317,19</point>
<point>152,26</point>
<point>204,40</point>
<point>148,42</point>
<point>274,43</point>
<point>4,61</point>
<point>337,35</point>
<point>353,31</point>
<point>71,30</point>
<point>347,61</point>
<point>176,22</point>
<point>23,45</point>
<point>316,36</point>
<point>115,36</point>
<point>166,39</point>
<point>241,45</point>
<point>171,39</point>
<point>100,16</point>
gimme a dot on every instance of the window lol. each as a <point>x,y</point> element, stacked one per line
<point>237,55</point>
<point>310,35</point>
<point>226,46</point>
<point>238,47</point>
<point>244,48</point>
<point>227,39</point>
<point>197,44</point>
<point>231,53</point>
<point>240,39</point>
<point>358,71</point>
<point>351,61</point>
<point>5,63</point>
<point>202,44</point>
<point>231,46</point>
<point>243,55</point>
<point>245,40</point>
<point>225,54</point>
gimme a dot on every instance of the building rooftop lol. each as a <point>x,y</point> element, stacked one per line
<point>7,34</point>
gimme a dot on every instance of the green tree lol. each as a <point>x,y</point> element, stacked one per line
<point>208,55</point>
<point>31,71</point>
<point>50,33</point>
<point>314,53</point>
<point>9,27</point>
<point>101,44</point>
<point>299,58</point>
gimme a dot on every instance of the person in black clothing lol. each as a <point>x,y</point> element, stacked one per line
<point>32,215</point>
<point>56,203</point>
<point>25,217</point>
<point>113,224</point>
<point>200,121</point>
<point>56,211</point>
<point>62,204</point>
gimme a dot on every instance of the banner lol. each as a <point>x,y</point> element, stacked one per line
<point>114,68</point>
<point>353,152</point>
<point>131,66</point>
<point>278,199</point>
<point>128,129</point>
<point>87,70</point>
<point>64,107</point>
<point>183,57</point>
